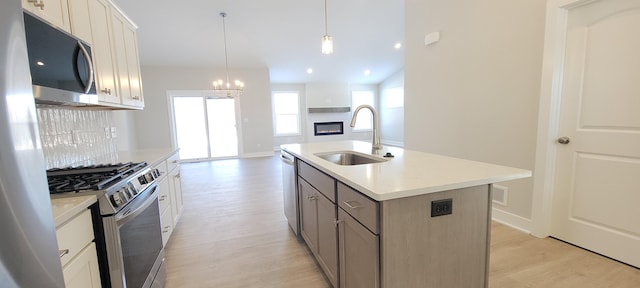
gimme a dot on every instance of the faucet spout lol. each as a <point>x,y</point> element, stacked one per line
<point>375,142</point>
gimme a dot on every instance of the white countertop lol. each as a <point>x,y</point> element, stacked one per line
<point>151,156</point>
<point>409,173</point>
<point>67,207</point>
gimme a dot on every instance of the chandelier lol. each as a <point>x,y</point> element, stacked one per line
<point>227,89</point>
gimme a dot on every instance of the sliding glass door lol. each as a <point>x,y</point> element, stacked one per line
<point>205,127</point>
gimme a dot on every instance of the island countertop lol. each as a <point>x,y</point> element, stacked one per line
<point>408,173</point>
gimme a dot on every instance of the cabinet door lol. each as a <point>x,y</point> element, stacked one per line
<point>308,214</point>
<point>99,11</point>
<point>118,24</point>
<point>327,238</point>
<point>55,12</point>
<point>133,62</point>
<point>80,20</point>
<point>82,271</point>
<point>176,186</point>
<point>359,254</point>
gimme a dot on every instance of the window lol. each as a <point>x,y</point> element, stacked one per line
<point>286,113</point>
<point>364,120</point>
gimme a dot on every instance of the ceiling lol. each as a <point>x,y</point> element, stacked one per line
<point>283,35</point>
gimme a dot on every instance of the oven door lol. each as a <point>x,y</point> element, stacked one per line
<point>134,243</point>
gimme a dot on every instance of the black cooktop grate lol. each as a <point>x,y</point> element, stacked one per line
<point>97,177</point>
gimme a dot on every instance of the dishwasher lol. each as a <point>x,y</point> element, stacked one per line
<point>289,191</point>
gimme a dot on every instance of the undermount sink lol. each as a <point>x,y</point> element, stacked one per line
<point>349,158</point>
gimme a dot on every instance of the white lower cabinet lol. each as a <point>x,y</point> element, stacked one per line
<point>78,252</point>
<point>83,271</point>
<point>170,194</point>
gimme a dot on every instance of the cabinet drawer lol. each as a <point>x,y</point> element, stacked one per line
<point>172,162</point>
<point>75,235</point>
<point>318,180</point>
<point>359,206</point>
<point>162,168</point>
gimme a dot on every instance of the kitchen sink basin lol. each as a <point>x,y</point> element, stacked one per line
<point>349,158</point>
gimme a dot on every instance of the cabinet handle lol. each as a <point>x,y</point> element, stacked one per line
<point>106,91</point>
<point>166,229</point>
<point>311,198</point>
<point>135,97</point>
<point>351,206</point>
<point>37,4</point>
<point>163,197</point>
<point>337,222</point>
<point>177,176</point>
<point>63,252</point>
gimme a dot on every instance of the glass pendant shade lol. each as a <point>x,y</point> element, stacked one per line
<point>327,44</point>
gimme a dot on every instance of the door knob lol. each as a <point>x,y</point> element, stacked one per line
<point>564,140</point>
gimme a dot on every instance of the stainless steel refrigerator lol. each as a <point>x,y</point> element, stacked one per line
<point>28,245</point>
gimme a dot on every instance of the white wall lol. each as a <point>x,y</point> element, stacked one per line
<point>153,124</point>
<point>124,122</point>
<point>391,119</point>
<point>475,93</point>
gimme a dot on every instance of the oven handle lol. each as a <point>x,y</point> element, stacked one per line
<point>140,205</point>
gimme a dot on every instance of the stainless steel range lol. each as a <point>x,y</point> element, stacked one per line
<point>126,220</point>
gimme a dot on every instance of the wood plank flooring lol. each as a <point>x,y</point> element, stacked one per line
<point>233,233</point>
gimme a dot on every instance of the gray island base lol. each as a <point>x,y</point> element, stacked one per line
<point>403,238</point>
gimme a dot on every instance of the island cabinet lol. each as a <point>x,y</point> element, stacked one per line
<point>358,240</point>
<point>318,218</point>
<point>406,242</point>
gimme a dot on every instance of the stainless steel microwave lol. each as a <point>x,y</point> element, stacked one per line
<point>61,65</point>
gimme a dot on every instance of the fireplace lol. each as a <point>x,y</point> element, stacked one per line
<point>328,128</point>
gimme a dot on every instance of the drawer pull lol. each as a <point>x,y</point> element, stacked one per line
<point>63,252</point>
<point>348,203</point>
<point>311,198</point>
<point>163,197</point>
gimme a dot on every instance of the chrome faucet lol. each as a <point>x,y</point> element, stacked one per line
<point>375,143</point>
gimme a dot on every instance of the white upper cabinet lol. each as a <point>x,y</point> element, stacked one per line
<point>55,12</point>
<point>127,63</point>
<point>79,19</point>
<point>99,11</point>
<point>114,47</point>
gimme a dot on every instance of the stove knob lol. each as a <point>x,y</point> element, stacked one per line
<point>116,200</point>
<point>125,191</point>
<point>132,189</point>
<point>142,179</point>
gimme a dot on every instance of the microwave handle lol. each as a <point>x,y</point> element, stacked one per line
<point>90,63</point>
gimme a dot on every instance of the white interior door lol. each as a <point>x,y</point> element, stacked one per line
<point>596,201</point>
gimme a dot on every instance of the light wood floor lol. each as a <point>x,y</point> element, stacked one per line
<point>233,233</point>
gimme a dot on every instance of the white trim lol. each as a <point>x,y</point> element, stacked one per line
<point>257,154</point>
<point>549,114</point>
<point>512,220</point>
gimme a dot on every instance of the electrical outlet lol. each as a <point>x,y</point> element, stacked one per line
<point>114,134</point>
<point>441,207</point>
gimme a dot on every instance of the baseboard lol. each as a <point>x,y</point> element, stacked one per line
<point>257,154</point>
<point>512,220</point>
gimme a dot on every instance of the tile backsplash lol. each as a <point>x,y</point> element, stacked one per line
<point>76,137</point>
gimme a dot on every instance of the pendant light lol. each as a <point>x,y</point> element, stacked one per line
<point>327,42</point>
<point>220,88</point>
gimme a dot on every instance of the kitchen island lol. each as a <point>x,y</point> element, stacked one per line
<point>410,220</point>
